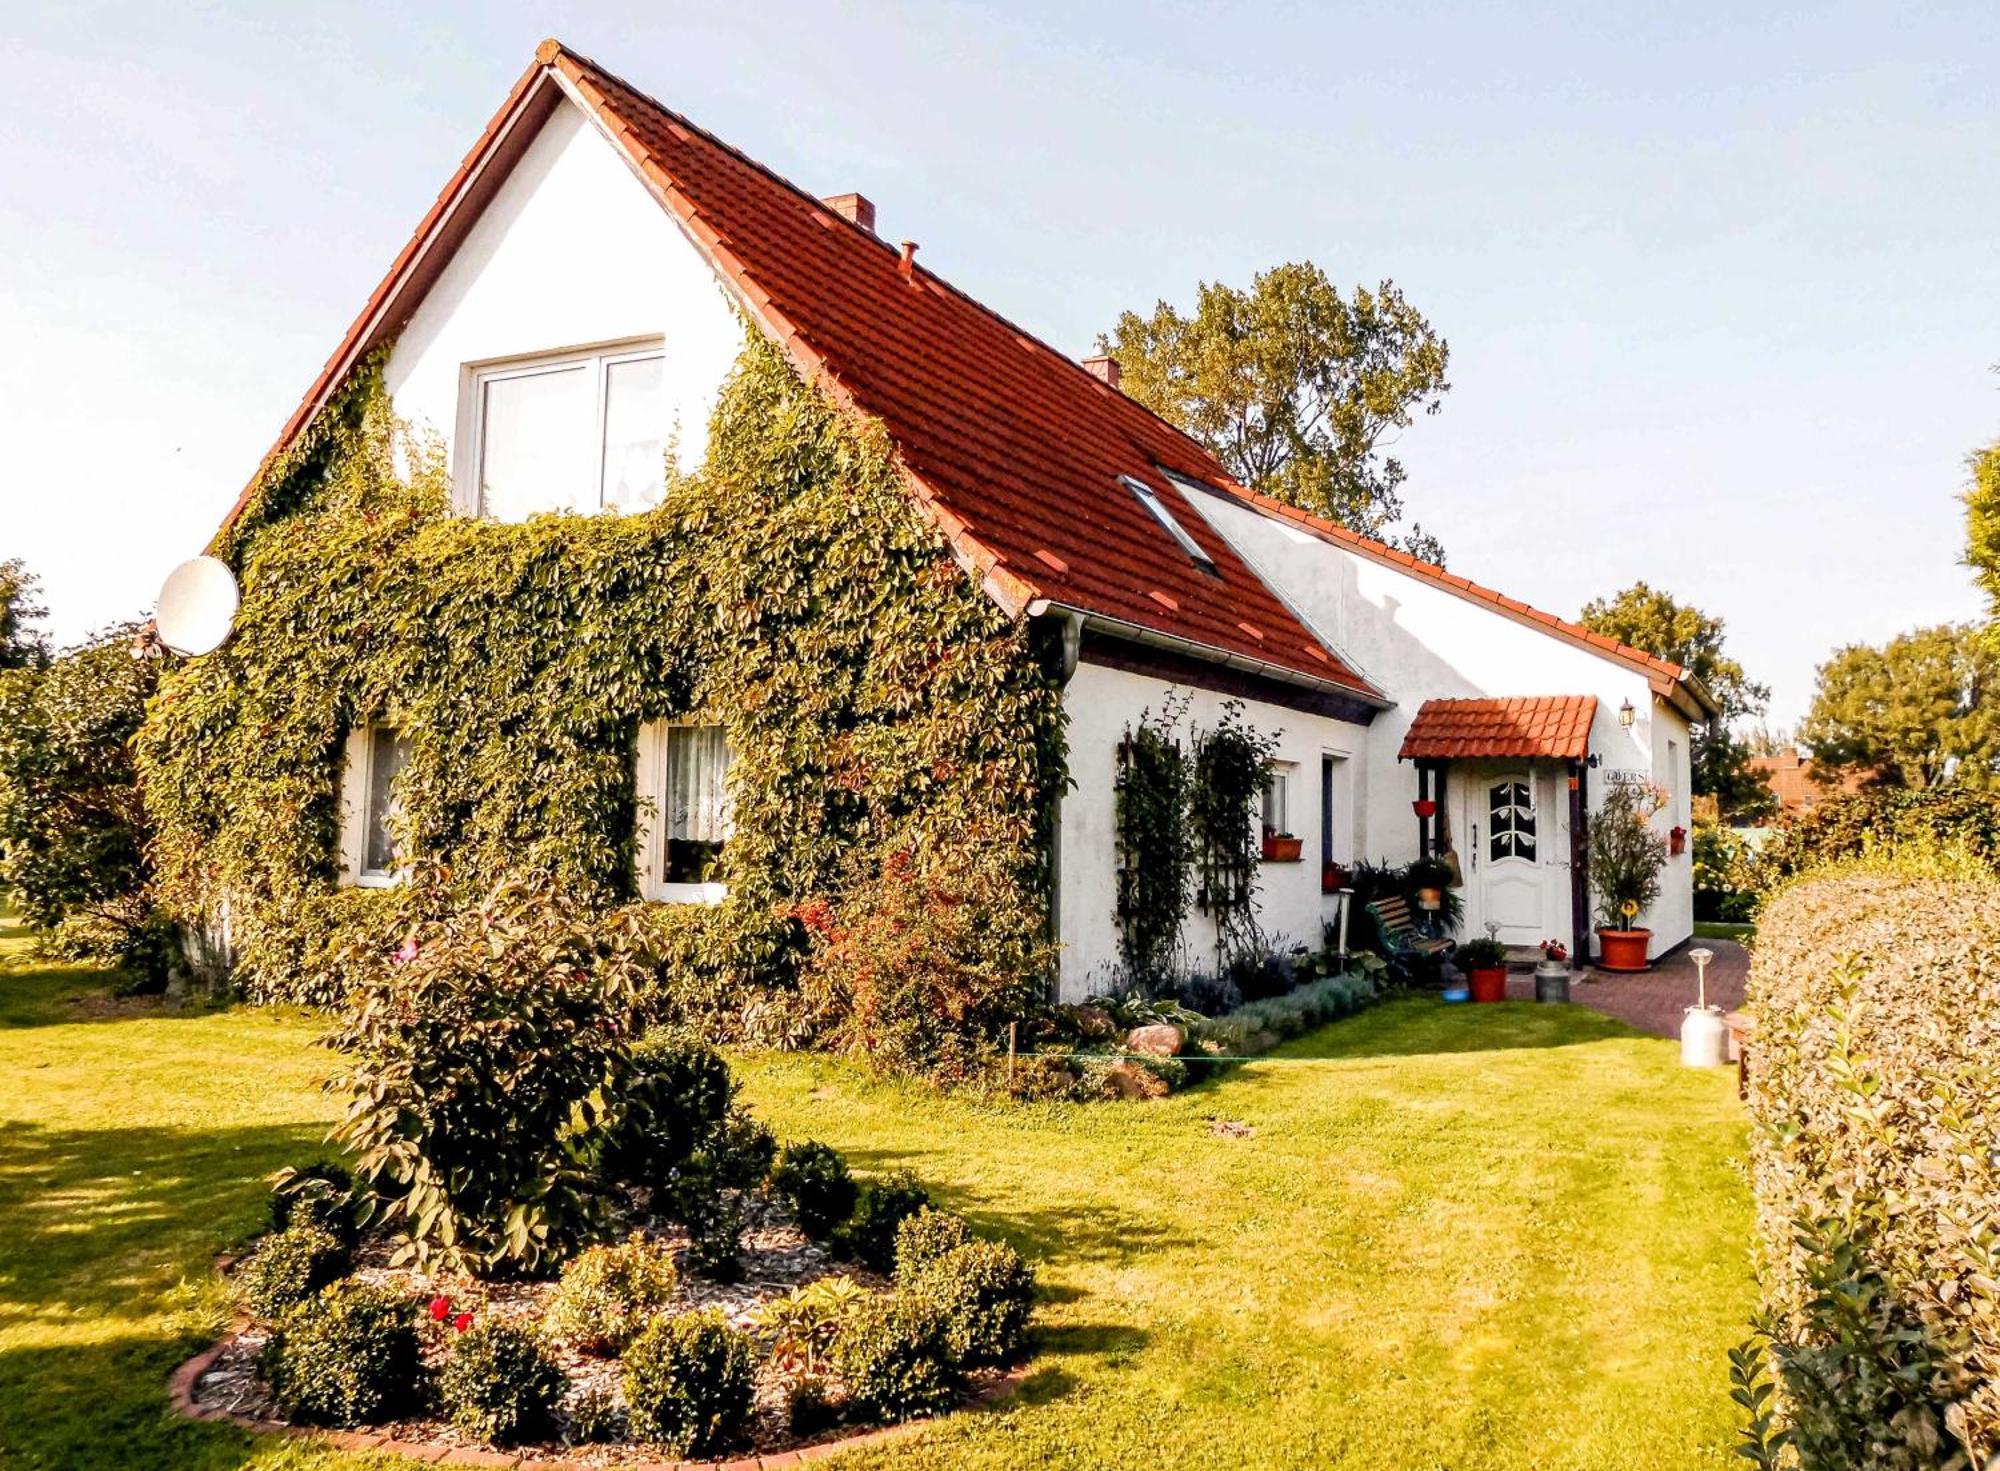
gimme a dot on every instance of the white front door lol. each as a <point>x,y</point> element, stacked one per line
<point>1511,839</point>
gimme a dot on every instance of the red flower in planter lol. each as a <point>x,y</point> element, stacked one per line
<point>440,1308</point>
<point>462,1322</point>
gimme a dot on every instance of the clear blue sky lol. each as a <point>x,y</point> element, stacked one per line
<point>1722,282</point>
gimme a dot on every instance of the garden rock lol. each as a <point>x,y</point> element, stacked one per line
<point>1158,1040</point>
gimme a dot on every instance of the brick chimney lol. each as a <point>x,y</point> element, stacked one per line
<point>1102,367</point>
<point>856,207</point>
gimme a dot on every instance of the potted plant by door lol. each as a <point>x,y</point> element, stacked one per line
<point>1626,857</point>
<point>1552,973</point>
<point>1485,965</point>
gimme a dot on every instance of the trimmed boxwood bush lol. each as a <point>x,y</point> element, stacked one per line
<point>688,1382</point>
<point>813,1180</point>
<point>609,1294</point>
<point>320,1195</point>
<point>1875,1103</point>
<point>500,1385</point>
<point>985,1292</point>
<point>925,1236</point>
<point>345,1357</point>
<point>714,1217</point>
<point>290,1267</point>
<point>880,1208</point>
<point>895,1358</point>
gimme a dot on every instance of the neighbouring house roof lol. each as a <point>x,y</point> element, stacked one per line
<point>1015,451</point>
<point>1552,726</point>
<point>1797,782</point>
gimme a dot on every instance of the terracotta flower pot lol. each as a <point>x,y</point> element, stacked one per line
<point>1489,984</point>
<point>1279,848</point>
<point>1623,950</point>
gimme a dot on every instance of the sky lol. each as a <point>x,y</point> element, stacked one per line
<point>1721,281</point>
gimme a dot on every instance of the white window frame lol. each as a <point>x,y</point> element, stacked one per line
<point>472,411</point>
<point>357,780</point>
<point>650,777</point>
<point>1278,799</point>
<point>1150,499</point>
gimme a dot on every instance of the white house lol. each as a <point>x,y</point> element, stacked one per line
<point>564,317</point>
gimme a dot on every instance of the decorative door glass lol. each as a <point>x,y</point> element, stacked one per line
<point>1510,807</point>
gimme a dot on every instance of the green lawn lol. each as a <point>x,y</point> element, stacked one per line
<point>1723,929</point>
<point>1459,1237</point>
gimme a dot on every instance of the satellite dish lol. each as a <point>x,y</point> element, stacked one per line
<point>197,602</point>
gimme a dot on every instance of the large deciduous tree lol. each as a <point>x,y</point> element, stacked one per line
<point>22,645</point>
<point>72,825</point>
<point>1982,523</point>
<point>1647,618</point>
<point>1295,388</point>
<point>1921,711</point>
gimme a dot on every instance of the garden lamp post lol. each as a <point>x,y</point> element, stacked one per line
<point>1704,1034</point>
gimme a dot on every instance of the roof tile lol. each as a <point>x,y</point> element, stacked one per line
<point>1555,727</point>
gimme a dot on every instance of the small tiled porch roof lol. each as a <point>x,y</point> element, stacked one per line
<point>1556,727</point>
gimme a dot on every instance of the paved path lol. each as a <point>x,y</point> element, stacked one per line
<point>1654,1000</point>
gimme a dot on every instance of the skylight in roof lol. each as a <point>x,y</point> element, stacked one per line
<point>1150,499</point>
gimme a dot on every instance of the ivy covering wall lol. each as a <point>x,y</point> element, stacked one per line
<point>897,739</point>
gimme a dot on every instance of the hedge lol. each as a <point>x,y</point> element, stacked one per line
<point>1874,1098</point>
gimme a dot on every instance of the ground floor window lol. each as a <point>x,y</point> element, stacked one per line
<point>370,853</point>
<point>685,820</point>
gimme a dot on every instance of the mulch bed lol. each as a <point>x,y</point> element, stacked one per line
<point>222,1383</point>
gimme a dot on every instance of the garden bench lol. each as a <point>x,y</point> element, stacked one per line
<point>1407,947</point>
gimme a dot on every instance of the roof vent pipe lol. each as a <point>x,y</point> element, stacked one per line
<point>908,264</point>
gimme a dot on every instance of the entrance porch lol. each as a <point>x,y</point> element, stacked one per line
<point>1503,798</point>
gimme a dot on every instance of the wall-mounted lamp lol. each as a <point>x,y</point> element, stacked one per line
<point>1626,715</point>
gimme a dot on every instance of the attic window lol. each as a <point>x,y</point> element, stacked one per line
<point>1150,499</point>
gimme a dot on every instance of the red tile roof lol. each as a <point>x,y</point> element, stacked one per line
<point>1554,726</point>
<point>1012,448</point>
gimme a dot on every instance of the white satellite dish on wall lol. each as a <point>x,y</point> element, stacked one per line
<point>197,603</point>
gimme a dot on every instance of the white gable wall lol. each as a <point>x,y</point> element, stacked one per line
<point>1101,705</point>
<point>571,252</point>
<point>1418,641</point>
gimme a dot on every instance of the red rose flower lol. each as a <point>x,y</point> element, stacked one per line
<point>440,1309</point>
<point>462,1322</point>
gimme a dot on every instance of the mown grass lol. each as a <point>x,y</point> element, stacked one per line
<point>1723,929</point>
<point>1469,1237</point>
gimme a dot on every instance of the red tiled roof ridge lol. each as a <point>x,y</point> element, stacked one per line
<point>1458,583</point>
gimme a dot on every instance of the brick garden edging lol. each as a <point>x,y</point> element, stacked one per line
<point>181,1387</point>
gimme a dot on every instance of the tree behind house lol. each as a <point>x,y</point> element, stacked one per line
<point>1923,710</point>
<point>1647,618</point>
<point>1295,388</point>
<point>22,645</point>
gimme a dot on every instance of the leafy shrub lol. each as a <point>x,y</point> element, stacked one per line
<point>467,1064</point>
<point>813,1180</point>
<point>880,1207</point>
<point>688,1383</point>
<point>347,1356</point>
<point>1209,995</point>
<point>592,1414</point>
<point>322,1195</point>
<point>740,1150</point>
<point>713,1215</point>
<point>925,1235</point>
<point>809,1409</point>
<point>1725,875</point>
<point>1480,954</point>
<point>985,1292</point>
<point>1264,1024</point>
<point>1882,822</point>
<point>1875,1103</point>
<point>677,1092</point>
<point>290,1266</point>
<point>609,1294</point>
<point>804,1324</point>
<point>895,1358</point>
<point>1626,855</point>
<point>500,1385</point>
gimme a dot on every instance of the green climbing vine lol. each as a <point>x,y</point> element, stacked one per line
<point>897,741</point>
<point>1232,766</point>
<point>1155,849</point>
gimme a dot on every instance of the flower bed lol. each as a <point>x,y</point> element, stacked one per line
<point>590,1423</point>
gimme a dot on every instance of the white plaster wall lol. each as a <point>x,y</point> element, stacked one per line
<point>1418,641</point>
<point>1101,704</point>
<point>571,252</point>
